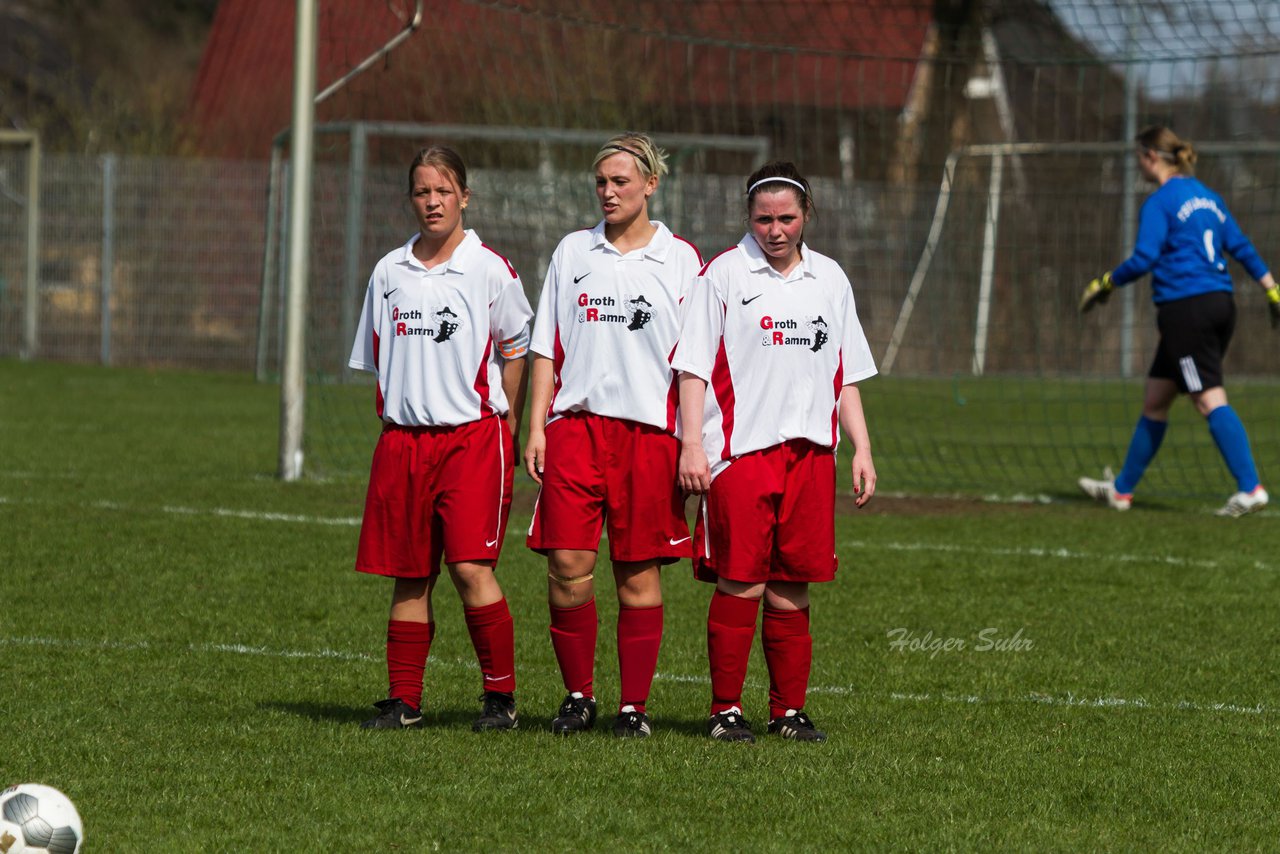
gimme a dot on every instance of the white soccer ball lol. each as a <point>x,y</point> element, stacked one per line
<point>36,819</point>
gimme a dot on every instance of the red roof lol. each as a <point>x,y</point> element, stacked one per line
<point>560,61</point>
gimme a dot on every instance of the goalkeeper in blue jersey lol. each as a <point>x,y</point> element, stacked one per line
<point>1184,234</point>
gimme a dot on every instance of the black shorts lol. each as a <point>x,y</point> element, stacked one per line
<point>1194,334</point>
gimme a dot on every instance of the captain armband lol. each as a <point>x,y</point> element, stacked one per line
<point>515,346</point>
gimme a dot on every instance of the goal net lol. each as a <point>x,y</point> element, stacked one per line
<point>971,168</point>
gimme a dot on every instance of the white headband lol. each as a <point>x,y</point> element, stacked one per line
<point>791,181</point>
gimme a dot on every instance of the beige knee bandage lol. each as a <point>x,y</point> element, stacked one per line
<point>569,582</point>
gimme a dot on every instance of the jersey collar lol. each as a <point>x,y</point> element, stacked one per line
<point>459,262</point>
<point>758,262</point>
<point>659,244</point>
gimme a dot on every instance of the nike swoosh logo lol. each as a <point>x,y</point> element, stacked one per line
<point>405,721</point>
<point>678,542</point>
<point>753,299</point>
<point>577,279</point>
<point>389,293</point>
<point>497,678</point>
<point>490,543</point>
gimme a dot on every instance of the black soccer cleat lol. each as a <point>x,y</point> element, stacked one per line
<point>577,714</point>
<point>631,724</point>
<point>795,725</point>
<point>394,714</point>
<point>499,712</point>
<point>730,725</point>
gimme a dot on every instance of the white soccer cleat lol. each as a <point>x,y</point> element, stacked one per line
<point>1105,490</point>
<point>1244,503</point>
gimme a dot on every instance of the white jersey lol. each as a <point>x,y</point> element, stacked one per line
<point>609,323</point>
<point>775,351</point>
<point>432,336</point>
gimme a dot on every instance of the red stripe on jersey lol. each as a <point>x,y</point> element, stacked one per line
<point>723,385</point>
<point>703,271</point>
<point>835,410</point>
<point>557,362</point>
<point>691,246</point>
<point>511,269</point>
<point>482,381</point>
<point>377,386</point>
<point>673,395</point>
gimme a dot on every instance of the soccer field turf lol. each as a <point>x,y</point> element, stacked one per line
<point>187,653</point>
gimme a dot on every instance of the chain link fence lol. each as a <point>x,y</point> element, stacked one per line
<point>143,260</point>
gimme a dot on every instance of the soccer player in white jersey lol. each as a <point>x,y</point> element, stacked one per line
<point>602,430</point>
<point>771,326</point>
<point>445,327</point>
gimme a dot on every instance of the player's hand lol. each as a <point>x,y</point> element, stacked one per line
<point>693,472</point>
<point>1096,292</point>
<point>864,477</point>
<point>1273,305</point>
<point>535,454</point>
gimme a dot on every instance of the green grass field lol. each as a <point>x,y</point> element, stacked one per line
<point>977,436</point>
<point>187,653</point>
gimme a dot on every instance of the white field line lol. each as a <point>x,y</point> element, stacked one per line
<point>354,522</point>
<point>1051,553</point>
<point>253,515</point>
<point>1064,700</point>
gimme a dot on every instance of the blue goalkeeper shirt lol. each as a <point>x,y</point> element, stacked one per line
<point>1183,231</point>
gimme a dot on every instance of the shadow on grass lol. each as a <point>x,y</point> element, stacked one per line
<point>461,719</point>
<point>333,713</point>
<point>1077,499</point>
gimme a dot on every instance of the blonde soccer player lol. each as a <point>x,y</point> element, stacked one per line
<point>1185,233</point>
<point>445,328</point>
<point>602,430</point>
<point>769,356</point>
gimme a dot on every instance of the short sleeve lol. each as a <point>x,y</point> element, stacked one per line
<point>364,355</point>
<point>855,353</point>
<point>701,328</point>
<point>543,341</point>
<point>510,313</point>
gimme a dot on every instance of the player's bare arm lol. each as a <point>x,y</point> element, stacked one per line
<point>514,373</point>
<point>543,383</point>
<point>854,423</point>
<point>693,472</point>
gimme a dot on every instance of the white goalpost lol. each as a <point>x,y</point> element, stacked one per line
<point>29,141</point>
<point>293,381</point>
<point>996,152</point>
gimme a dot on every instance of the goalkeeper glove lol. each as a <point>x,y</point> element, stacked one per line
<point>1273,305</point>
<point>1097,291</point>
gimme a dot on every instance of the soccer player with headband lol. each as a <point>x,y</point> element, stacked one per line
<point>1185,233</point>
<point>603,430</point>
<point>445,329</point>
<point>769,356</point>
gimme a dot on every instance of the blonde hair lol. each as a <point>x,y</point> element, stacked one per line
<point>1169,147</point>
<point>650,159</point>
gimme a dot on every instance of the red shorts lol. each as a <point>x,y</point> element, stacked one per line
<point>433,492</point>
<point>598,467</point>
<point>770,516</point>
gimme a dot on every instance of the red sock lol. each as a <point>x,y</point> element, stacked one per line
<point>493,636</point>
<point>573,636</point>
<point>788,652</point>
<point>639,638</point>
<point>731,627</point>
<point>407,647</point>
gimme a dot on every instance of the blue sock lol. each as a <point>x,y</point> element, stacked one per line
<point>1146,440</point>
<point>1233,443</point>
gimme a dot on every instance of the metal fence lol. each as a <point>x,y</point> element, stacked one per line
<point>143,260</point>
<point>159,261</point>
